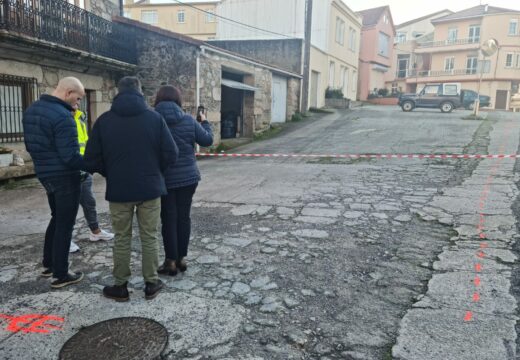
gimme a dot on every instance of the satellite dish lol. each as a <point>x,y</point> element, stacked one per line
<point>489,47</point>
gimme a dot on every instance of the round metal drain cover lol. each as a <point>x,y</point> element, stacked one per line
<point>125,338</point>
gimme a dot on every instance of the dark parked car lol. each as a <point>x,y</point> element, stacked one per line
<point>469,97</point>
<point>445,97</point>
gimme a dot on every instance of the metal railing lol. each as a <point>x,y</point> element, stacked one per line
<point>435,73</point>
<point>449,42</point>
<point>62,23</point>
<point>16,94</point>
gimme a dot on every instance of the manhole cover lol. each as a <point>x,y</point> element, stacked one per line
<point>117,339</point>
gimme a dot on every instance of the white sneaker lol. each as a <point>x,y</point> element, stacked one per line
<point>73,247</point>
<point>103,235</point>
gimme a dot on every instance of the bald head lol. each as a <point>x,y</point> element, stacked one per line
<point>70,90</point>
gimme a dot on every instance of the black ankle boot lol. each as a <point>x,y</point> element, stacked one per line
<point>151,290</point>
<point>168,268</point>
<point>182,265</point>
<point>118,293</point>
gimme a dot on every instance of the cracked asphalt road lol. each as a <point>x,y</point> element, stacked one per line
<point>310,258</point>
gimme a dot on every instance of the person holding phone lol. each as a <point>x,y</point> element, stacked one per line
<point>182,178</point>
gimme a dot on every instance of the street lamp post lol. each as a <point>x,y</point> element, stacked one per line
<point>487,49</point>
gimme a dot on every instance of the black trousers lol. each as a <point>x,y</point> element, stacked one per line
<point>63,195</point>
<point>176,221</point>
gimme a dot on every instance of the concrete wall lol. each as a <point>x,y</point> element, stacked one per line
<point>286,54</point>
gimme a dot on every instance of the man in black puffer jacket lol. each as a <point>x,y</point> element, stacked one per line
<point>51,138</point>
<point>132,147</point>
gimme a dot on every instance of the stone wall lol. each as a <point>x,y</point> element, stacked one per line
<point>100,84</point>
<point>293,96</point>
<point>284,54</point>
<point>165,60</point>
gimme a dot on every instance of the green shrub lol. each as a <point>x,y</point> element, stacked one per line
<point>297,117</point>
<point>333,93</point>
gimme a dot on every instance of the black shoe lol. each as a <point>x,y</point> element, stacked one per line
<point>182,265</point>
<point>118,293</point>
<point>151,290</point>
<point>168,268</point>
<point>67,280</point>
<point>47,272</point>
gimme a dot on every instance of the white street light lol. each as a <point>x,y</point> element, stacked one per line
<point>487,49</point>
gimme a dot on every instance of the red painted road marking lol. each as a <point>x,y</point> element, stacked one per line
<point>32,323</point>
<point>476,297</point>
<point>468,316</point>
<point>477,281</point>
<point>478,268</point>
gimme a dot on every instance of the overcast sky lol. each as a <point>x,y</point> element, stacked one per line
<point>404,10</point>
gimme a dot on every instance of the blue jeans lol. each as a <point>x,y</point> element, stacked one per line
<point>63,195</point>
<point>88,203</point>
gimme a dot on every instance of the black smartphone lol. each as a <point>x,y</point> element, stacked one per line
<point>200,111</point>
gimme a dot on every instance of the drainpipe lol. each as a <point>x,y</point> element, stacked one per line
<point>197,82</point>
<point>197,90</point>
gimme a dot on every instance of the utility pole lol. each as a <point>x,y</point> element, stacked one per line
<point>306,57</point>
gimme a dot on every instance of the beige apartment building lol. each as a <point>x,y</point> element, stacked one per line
<point>193,18</point>
<point>408,34</point>
<point>453,54</point>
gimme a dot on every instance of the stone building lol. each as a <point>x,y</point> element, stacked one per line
<point>236,90</point>
<point>43,42</point>
<point>40,45</point>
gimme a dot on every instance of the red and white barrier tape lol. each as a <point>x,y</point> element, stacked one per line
<point>365,156</point>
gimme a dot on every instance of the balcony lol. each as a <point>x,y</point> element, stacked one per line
<point>413,76</point>
<point>448,45</point>
<point>66,25</point>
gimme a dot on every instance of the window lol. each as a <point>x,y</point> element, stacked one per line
<point>453,33</point>
<point>344,80</point>
<point>16,94</point>
<point>509,60</point>
<point>471,65</point>
<point>352,39</point>
<point>451,90</point>
<point>340,31</point>
<point>181,17</point>
<point>513,27</point>
<point>449,63</point>
<point>332,75</point>
<point>384,42</point>
<point>210,16</point>
<point>385,19</point>
<point>518,60</point>
<point>431,89</point>
<point>474,33</point>
<point>127,14</point>
<point>401,38</point>
<point>149,16</point>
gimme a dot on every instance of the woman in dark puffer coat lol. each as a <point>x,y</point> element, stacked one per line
<point>181,179</point>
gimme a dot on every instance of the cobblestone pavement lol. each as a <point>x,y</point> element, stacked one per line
<point>310,259</point>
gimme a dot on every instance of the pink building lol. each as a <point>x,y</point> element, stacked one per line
<point>376,53</point>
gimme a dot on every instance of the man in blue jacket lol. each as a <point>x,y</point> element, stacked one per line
<point>52,140</point>
<point>131,146</point>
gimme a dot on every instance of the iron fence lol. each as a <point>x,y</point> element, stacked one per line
<point>16,94</point>
<point>65,24</point>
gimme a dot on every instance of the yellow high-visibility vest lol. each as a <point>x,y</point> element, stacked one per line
<point>82,131</point>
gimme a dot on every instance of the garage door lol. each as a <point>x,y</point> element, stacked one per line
<point>501,102</point>
<point>279,99</point>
